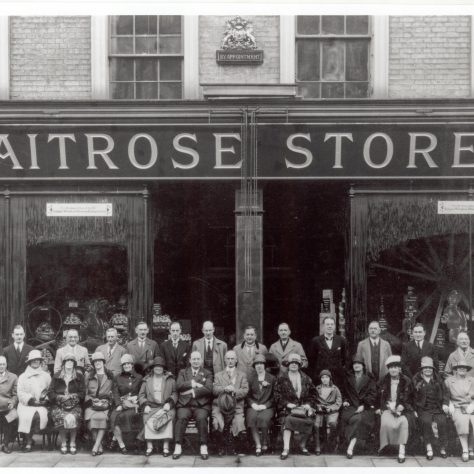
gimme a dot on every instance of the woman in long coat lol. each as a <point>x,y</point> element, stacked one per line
<point>125,418</point>
<point>158,399</point>
<point>33,385</point>
<point>359,399</point>
<point>295,389</point>
<point>260,403</point>
<point>396,407</point>
<point>66,392</point>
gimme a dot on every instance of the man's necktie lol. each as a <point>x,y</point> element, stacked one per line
<point>18,351</point>
<point>419,346</point>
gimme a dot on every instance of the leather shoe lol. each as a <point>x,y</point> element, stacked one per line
<point>204,457</point>
<point>6,449</point>
<point>284,455</point>
<point>176,456</point>
<point>471,455</point>
<point>349,455</point>
<point>166,453</point>
<point>401,459</point>
<point>443,454</point>
<point>318,452</point>
<point>429,455</point>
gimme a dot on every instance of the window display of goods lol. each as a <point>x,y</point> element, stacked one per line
<point>47,356</point>
<point>72,320</point>
<point>44,332</point>
<point>161,321</point>
<point>119,321</point>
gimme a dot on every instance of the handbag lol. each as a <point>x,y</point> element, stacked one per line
<point>100,404</point>
<point>299,412</point>
<point>160,419</point>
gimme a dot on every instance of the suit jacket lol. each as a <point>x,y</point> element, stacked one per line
<point>456,357</point>
<point>292,347</point>
<point>112,362</point>
<point>8,390</point>
<point>245,360</point>
<point>333,359</point>
<point>16,365</point>
<point>175,359</point>
<point>261,395</point>
<point>198,397</point>
<point>411,358</point>
<point>222,380</point>
<point>143,356</point>
<point>219,348</point>
<point>81,353</point>
<point>363,352</point>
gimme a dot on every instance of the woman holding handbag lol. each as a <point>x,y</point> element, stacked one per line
<point>66,393</point>
<point>98,400</point>
<point>295,399</point>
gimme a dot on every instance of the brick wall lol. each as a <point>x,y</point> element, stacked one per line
<point>430,56</point>
<point>50,57</point>
<point>266,30</point>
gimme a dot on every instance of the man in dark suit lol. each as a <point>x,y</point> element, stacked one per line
<point>414,350</point>
<point>328,351</point>
<point>194,387</point>
<point>142,349</point>
<point>175,351</point>
<point>17,353</point>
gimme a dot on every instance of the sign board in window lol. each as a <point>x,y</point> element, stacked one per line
<point>455,207</point>
<point>79,209</point>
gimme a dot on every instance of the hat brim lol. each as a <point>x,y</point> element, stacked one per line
<point>462,366</point>
<point>358,362</point>
<point>156,365</point>
<point>34,358</point>
<point>97,360</point>
<point>288,362</point>
<point>427,367</point>
<point>394,364</point>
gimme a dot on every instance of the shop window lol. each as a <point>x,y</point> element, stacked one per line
<point>332,56</point>
<point>146,57</point>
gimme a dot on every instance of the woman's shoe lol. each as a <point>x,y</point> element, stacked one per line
<point>100,452</point>
<point>27,448</point>
<point>148,452</point>
<point>317,451</point>
<point>429,455</point>
<point>471,455</point>
<point>401,458</point>
<point>258,452</point>
<point>123,449</point>
<point>305,452</point>
<point>465,456</point>
<point>349,455</point>
<point>166,452</point>
<point>72,449</point>
<point>284,455</point>
<point>264,449</point>
<point>94,452</point>
<point>63,449</point>
<point>443,453</point>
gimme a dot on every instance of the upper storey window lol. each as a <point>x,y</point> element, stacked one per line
<point>332,56</point>
<point>146,57</point>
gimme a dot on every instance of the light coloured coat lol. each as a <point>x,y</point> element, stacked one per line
<point>458,356</point>
<point>292,347</point>
<point>363,353</point>
<point>245,360</point>
<point>219,348</point>
<point>81,353</point>
<point>112,362</point>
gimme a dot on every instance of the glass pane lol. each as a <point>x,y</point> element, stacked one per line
<point>333,61</point>
<point>146,69</point>
<point>330,90</point>
<point>170,69</point>
<point>122,90</point>
<point>355,90</point>
<point>170,24</point>
<point>147,90</point>
<point>122,45</point>
<point>170,44</point>
<point>308,90</point>
<point>145,44</point>
<point>357,60</point>
<point>357,25</point>
<point>121,69</point>
<point>121,25</point>
<point>332,25</point>
<point>145,24</point>
<point>307,25</point>
<point>307,52</point>
<point>171,90</point>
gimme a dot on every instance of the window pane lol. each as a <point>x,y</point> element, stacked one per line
<point>171,90</point>
<point>357,25</point>
<point>122,90</point>
<point>170,69</point>
<point>122,25</point>
<point>308,89</point>
<point>355,90</point>
<point>147,90</point>
<point>145,44</point>
<point>333,61</point>
<point>122,45</point>
<point>357,58</point>
<point>332,25</point>
<point>307,25</point>
<point>170,24</point>
<point>331,90</point>
<point>121,69</point>
<point>307,60</point>
<point>145,24</point>
<point>146,69</point>
<point>170,45</point>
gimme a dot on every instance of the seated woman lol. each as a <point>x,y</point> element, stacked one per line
<point>395,406</point>
<point>260,403</point>
<point>33,385</point>
<point>66,392</point>
<point>295,399</point>
<point>359,399</point>
<point>461,406</point>
<point>158,398</point>
<point>125,418</point>
<point>328,402</point>
<point>431,399</point>
<point>98,400</point>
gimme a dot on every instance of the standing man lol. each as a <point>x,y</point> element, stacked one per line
<point>175,351</point>
<point>112,351</point>
<point>286,346</point>
<point>328,351</point>
<point>8,403</point>
<point>72,347</point>
<point>194,387</point>
<point>16,353</point>
<point>374,351</point>
<point>463,354</point>
<point>212,350</point>
<point>248,350</point>
<point>413,351</point>
<point>142,349</point>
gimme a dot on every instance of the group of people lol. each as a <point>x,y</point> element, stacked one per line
<point>147,392</point>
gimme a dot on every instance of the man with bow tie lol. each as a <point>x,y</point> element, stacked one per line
<point>16,353</point>
<point>194,387</point>
<point>175,351</point>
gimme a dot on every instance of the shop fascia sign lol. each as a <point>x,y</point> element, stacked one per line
<point>455,207</point>
<point>79,209</point>
<point>284,151</point>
